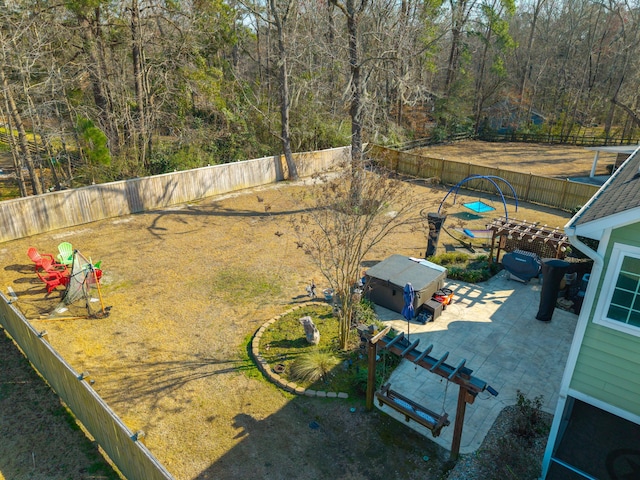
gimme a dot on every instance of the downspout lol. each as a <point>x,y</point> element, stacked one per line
<point>570,231</point>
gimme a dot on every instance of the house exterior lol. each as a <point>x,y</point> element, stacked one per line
<point>596,428</point>
<point>506,116</point>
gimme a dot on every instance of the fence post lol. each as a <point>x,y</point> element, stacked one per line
<point>526,193</point>
<point>563,197</point>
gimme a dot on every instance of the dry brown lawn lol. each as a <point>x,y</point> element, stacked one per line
<point>540,159</point>
<point>188,286</point>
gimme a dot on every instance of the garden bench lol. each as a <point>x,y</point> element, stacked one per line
<point>412,411</point>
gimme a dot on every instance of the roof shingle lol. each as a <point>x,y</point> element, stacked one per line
<point>622,193</point>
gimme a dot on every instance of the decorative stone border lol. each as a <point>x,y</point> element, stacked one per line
<point>274,377</point>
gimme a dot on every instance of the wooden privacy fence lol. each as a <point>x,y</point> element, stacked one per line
<point>27,216</point>
<point>552,192</point>
<point>579,140</point>
<point>131,457</point>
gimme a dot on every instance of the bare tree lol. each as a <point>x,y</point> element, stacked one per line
<point>338,231</point>
<point>14,35</point>
<point>142,138</point>
<point>352,10</point>
<point>495,41</point>
<point>280,12</point>
<point>527,54</point>
<point>460,11</point>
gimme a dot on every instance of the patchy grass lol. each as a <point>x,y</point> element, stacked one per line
<point>188,287</point>
<point>8,190</point>
<point>236,286</point>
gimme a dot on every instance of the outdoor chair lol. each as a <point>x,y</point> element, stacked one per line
<point>94,275</point>
<point>37,257</point>
<point>48,266</point>
<point>53,279</point>
<point>65,256</point>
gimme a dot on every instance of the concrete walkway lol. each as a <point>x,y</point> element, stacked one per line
<point>493,326</point>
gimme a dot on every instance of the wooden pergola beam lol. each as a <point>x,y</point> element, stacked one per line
<point>469,386</point>
<point>526,231</point>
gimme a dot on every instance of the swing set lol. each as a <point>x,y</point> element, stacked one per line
<point>478,207</point>
<point>469,386</point>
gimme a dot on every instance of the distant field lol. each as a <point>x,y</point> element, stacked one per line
<point>540,159</point>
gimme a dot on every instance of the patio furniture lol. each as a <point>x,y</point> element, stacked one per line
<point>412,411</point>
<point>65,256</point>
<point>50,266</point>
<point>37,257</point>
<point>53,279</point>
<point>521,265</point>
<point>94,275</point>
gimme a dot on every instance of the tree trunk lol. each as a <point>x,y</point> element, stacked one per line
<point>17,164</point>
<point>36,186</point>
<point>452,64</point>
<point>90,31</point>
<point>137,58</point>
<point>633,116</point>
<point>356,85</point>
<point>479,96</point>
<point>284,91</point>
<point>527,54</point>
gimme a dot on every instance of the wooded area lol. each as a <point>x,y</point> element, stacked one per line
<point>100,90</point>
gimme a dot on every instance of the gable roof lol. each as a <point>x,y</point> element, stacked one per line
<point>616,204</point>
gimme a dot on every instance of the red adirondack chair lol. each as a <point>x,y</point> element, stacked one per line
<point>37,257</point>
<point>53,279</point>
<point>48,266</point>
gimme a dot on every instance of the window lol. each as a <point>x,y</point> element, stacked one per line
<point>625,302</point>
<point>621,306</point>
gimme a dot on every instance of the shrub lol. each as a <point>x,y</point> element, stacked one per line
<point>528,424</point>
<point>365,313</point>
<point>461,266</point>
<point>384,367</point>
<point>314,365</point>
<point>450,258</point>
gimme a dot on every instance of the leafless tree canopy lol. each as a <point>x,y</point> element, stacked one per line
<point>103,90</point>
<point>342,224</point>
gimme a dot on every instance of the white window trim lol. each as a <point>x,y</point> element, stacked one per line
<point>619,251</point>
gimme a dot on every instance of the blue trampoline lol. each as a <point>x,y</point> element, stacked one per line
<point>478,207</point>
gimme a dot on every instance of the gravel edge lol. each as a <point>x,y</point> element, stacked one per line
<point>472,466</point>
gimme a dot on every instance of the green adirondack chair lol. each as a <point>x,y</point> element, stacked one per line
<point>65,256</point>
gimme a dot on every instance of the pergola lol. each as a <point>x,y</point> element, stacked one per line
<point>528,236</point>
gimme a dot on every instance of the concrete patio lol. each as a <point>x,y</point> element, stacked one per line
<point>493,326</point>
